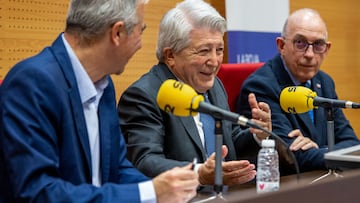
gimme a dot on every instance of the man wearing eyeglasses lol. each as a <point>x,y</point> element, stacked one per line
<point>302,49</point>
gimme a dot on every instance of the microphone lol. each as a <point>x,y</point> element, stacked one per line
<point>299,99</point>
<point>182,100</point>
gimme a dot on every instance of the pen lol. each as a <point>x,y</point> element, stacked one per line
<point>194,162</point>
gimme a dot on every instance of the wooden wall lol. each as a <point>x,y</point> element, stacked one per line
<point>145,58</point>
<point>26,26</point>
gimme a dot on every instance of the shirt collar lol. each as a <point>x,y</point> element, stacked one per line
<point>293,79</point>
<point>87,89</point>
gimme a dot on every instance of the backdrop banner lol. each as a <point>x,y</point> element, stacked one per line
<point>253,26</point>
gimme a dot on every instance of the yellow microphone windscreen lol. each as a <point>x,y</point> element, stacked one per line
<point>297,99</point>
<point>178,98</point>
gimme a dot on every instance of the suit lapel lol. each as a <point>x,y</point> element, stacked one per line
<point>59,51</point>
<point>284,81</point>
<point>80,125</point>
<point>106,127</point>
<point>190,127</point>
<point>319,120</point>
<point>308,126</point>
<point>163,72</point>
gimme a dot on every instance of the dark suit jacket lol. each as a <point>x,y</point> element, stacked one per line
<point>158,140</point>
<point>44,147</point>
<point>268,82</point>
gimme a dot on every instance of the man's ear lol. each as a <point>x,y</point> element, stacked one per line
<point>118,31</point>
<point>169,56</point>
<point>280,44</point>
<point>329,46</point>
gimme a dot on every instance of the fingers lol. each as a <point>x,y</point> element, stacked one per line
<point>230,166</point>
<point>255,105</point>
<point>189,166</point>
<point>207,173</point>
<point>295,133</point>
<point>309,145</point>
<point>301,142</point>
<point>252,101</point>
<point>176,185</point>
<point>224,151</point>
<point>241,178</point>
<point>234,172</point>
<point>261,115</point>
<point>187,196</point>
<point>238,172</point>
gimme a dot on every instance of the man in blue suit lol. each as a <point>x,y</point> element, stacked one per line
<point>60,137</point>
<point>303,47</point>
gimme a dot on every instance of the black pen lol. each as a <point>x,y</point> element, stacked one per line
<point>194,162</point>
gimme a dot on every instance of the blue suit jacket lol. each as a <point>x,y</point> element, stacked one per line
<point>267,83</point>
<point>44,147</point>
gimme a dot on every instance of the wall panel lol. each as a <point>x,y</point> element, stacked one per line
<point>26,26</point>
<point>145,58</point>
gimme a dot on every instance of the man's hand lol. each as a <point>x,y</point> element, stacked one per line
<point>233,172</point>
<point>301,142</point>
<point>176,185</point>
<point>261,115</point>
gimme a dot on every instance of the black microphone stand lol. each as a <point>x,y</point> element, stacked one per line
<point>218,182</point>
<point>331,143</point>
<point>218,186</point>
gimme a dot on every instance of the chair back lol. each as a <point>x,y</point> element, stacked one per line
<point>233,76</point>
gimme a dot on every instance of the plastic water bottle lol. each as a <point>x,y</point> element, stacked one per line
<point>268,175</point>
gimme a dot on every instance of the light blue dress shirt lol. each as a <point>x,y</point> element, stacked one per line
<point>90,95</point>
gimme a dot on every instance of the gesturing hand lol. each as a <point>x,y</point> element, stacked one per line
<point>261,115</point>
<point>233,172</point>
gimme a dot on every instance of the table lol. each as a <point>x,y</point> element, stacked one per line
<point>331,189</point>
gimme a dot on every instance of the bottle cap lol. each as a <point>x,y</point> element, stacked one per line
<point>268,143</point>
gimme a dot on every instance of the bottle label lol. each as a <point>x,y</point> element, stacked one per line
<point>262,187</point>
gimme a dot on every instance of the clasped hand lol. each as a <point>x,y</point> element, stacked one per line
<point>301,142</point>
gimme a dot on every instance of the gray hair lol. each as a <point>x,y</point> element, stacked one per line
<point>177,23</point>
<point>90,19</point>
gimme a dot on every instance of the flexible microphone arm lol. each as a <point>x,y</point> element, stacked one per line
<point>189,103</point>
<point>328,103</point>
<point>219,113</point>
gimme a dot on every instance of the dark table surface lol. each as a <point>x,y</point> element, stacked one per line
<point>311,186</point>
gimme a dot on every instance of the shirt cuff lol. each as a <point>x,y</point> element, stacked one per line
<point>257,139</point>
<point>147,192</point>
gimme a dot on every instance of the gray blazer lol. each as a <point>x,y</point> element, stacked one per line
<point>158,141</point>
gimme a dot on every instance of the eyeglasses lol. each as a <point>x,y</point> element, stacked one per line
<point>319,46</point>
